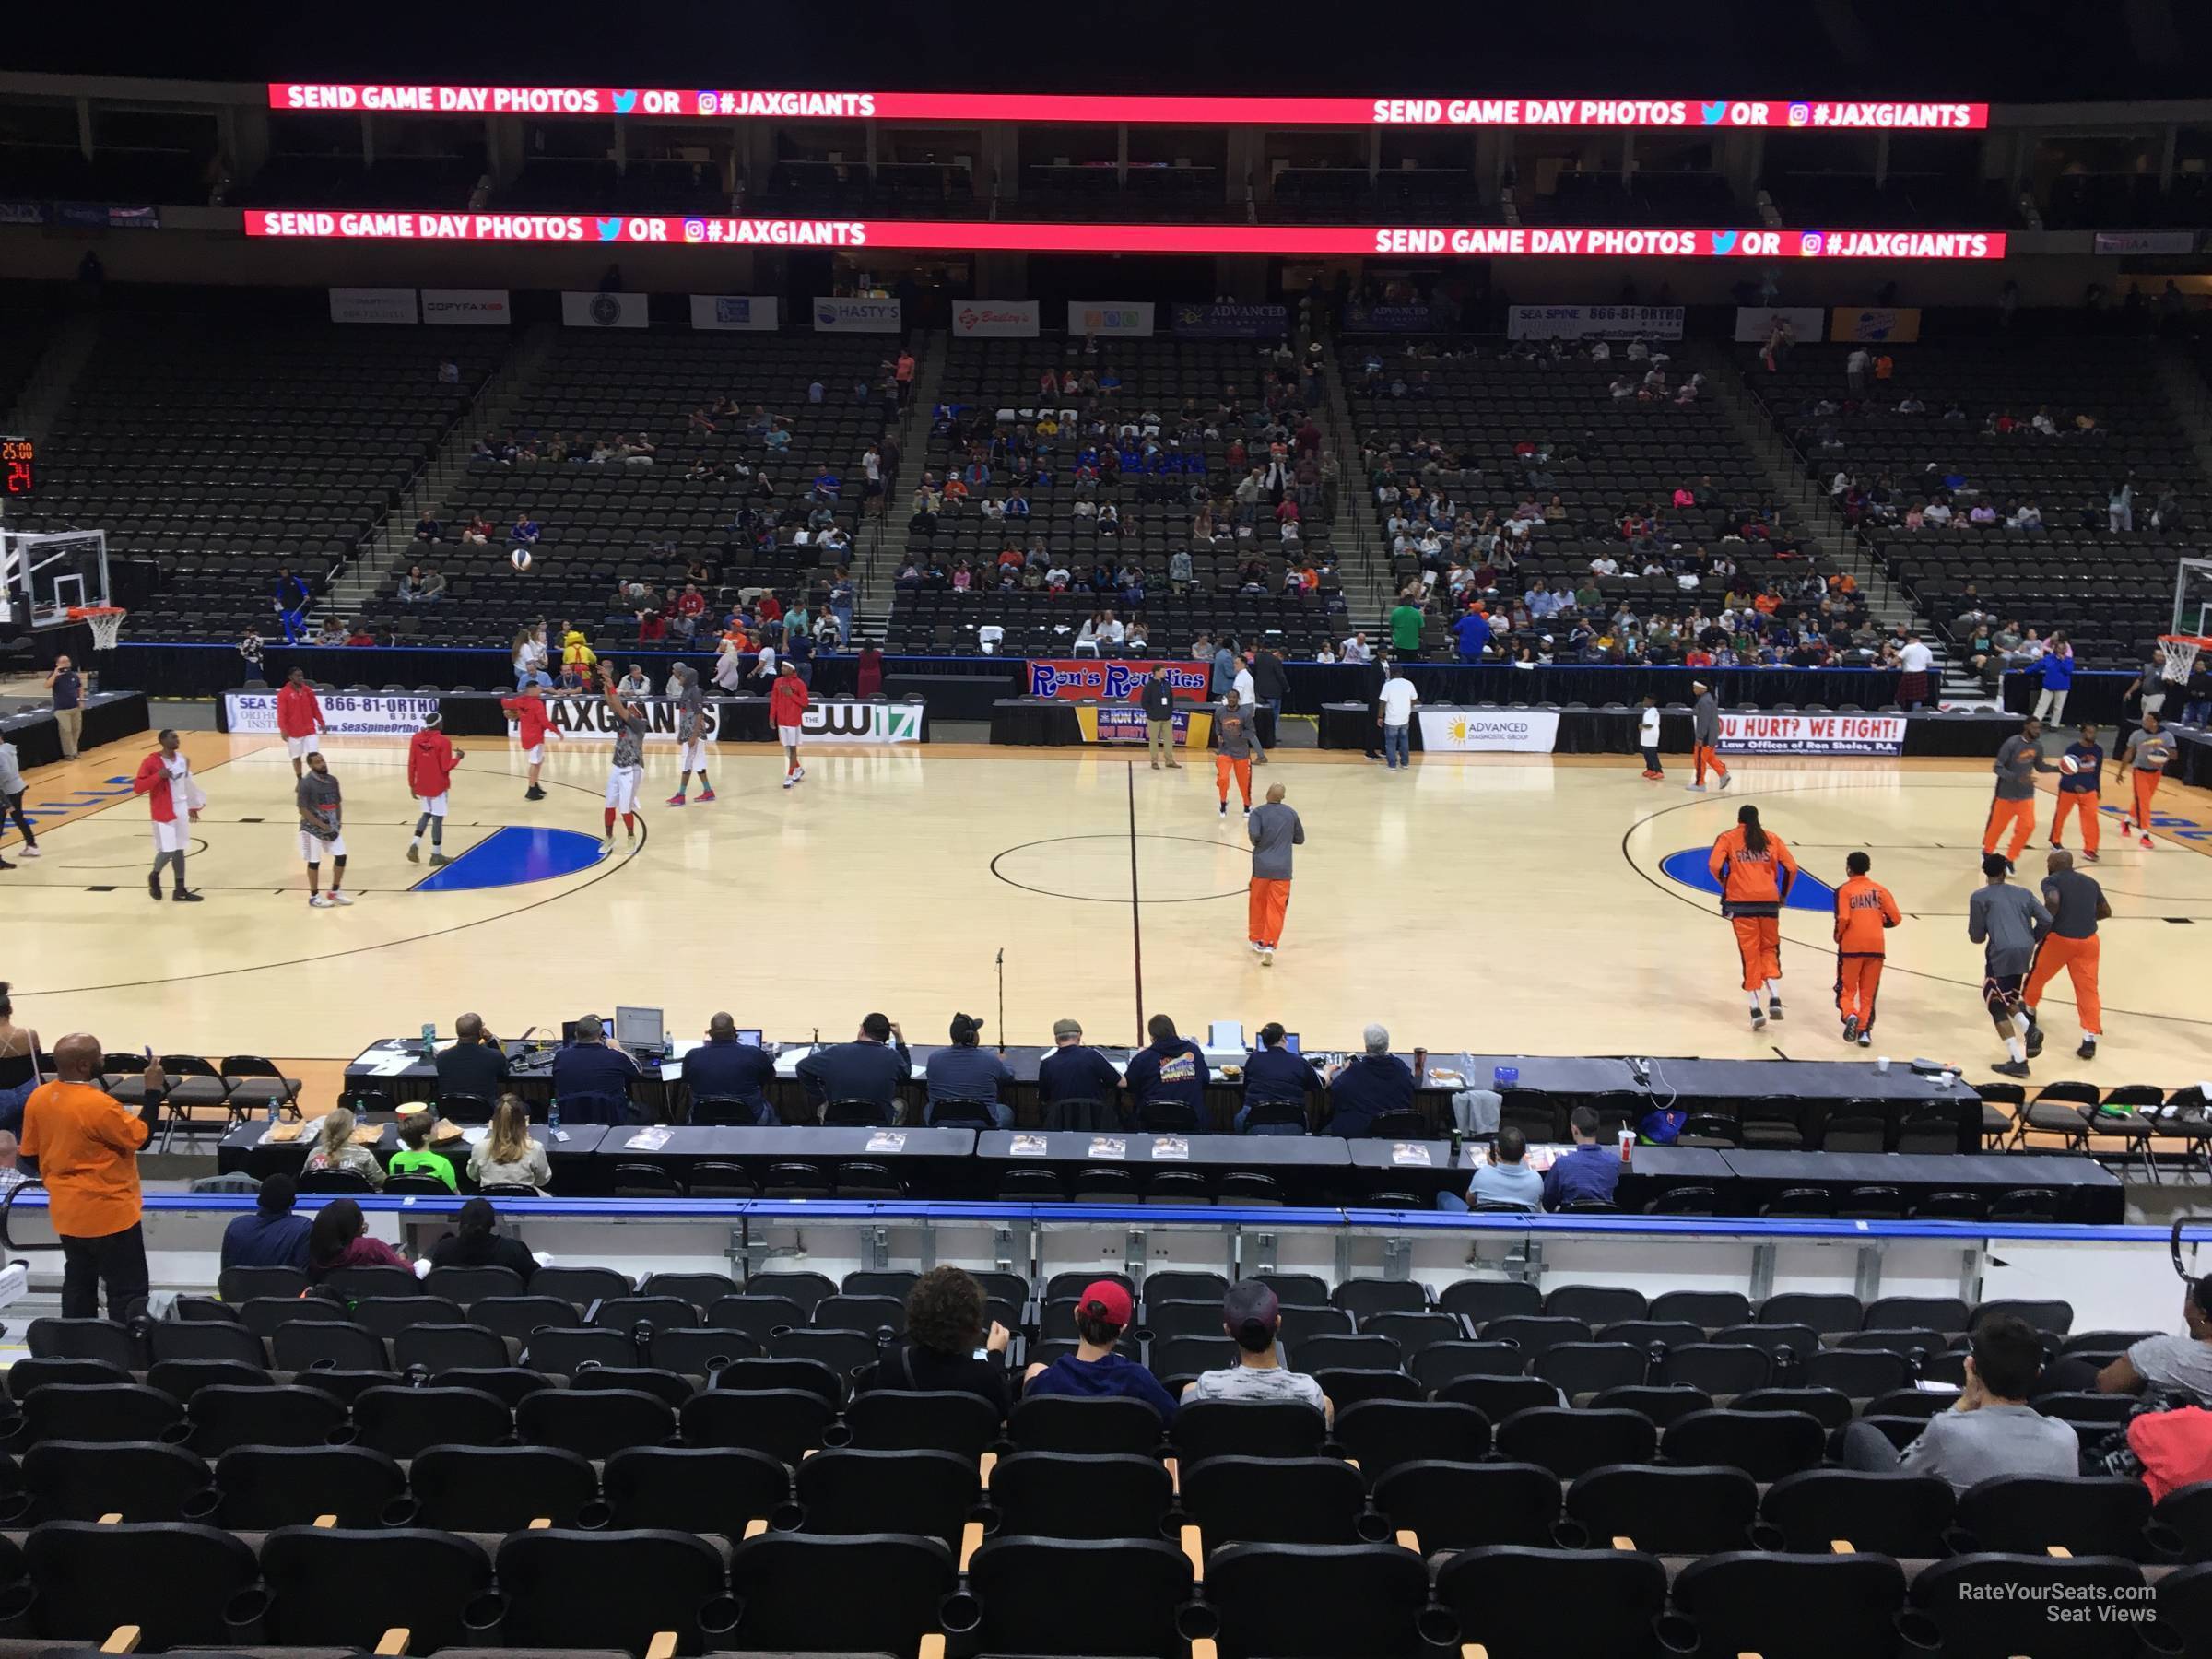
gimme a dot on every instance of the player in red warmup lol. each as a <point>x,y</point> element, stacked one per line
<point>300,718</point>
<point>787,702</point>
<point>533,724</point>
<point>432,761</point>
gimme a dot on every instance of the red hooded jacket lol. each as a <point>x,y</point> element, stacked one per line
<point>430,762</point>
<point>298,713</point>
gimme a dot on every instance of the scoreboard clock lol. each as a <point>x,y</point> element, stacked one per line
<point>19,466</point>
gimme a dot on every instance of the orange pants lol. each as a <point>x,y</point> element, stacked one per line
<point>2075,801</point>
<point>2079,959</point>
<point>1858,977</point>
<point>1225,769</point>
<point>2020,815</point>
<point>1759,941</point>
<point>2145,782</point>
<point>1269,900</point>
<point>1704,756</point>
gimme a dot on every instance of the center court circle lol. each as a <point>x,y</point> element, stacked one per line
<point>1094,869</point>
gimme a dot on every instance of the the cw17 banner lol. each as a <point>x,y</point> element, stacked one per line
<point>1075,680</point>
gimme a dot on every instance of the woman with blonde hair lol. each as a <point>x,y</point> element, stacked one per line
<point>507,1156</point>
<point>335,1149</point>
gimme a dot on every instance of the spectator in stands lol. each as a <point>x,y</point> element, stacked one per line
<point>526,530</point>
<point>1252,1316</point>
<point>967,1072</point>
<point>1276,1074</point>
<point>2119,506</point>
<point>333,631</point>
<point>1505,1182</point>
<point>272,1236</point>
<point>590,1068</point>
<point>476,1241</point>
<point>870,1068</point>
<point>428,528</point>
<point>509,1154</point>
<point>1095,1371</point>
<point>1990,1430</point>
<point>947,1325</point>
<point>293,597</point>
<point>339,1238</point>
<point>1169,1069</point>
<point>634,684</point>
<point>2170,1369</point>
<point>414,1157</point>
<point>726,1069</point>
<point>334,1148</point>
<point>1586,1175</point>
<point>1364,1088</point>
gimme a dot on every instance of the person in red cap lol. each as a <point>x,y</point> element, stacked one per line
<point>1102,1313</point>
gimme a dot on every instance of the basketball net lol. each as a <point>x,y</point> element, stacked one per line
<point>2180,654</point>
<point>106,623</point>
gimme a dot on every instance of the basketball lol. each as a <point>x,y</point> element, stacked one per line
<point>520,558</point>
<point>2067,764</point>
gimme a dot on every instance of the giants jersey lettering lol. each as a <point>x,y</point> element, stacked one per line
<point>1863,910</point>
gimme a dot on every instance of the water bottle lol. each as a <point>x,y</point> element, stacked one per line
<point>430,1044</point>
<point>553,1116</point>
<point>272,1112</point>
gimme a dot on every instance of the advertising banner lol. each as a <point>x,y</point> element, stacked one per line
<point>1109,316</point>
<point>1411,318</point>
<point>1898,324</point>
<point>22,213</point>
<point>373,305</point>
<point>1812,733</point>
<point>996,319</point>
<point>603,310</point>
<point>1073,678</point>
<point>470,307</point>
<point>1225,322</point>
<point>1125,723</point>
<point>1108,109</point>
<point>1488,731</point>
<point>588,718</point>
<point>343,715</point>
<point>1754,322</point>
<point>748,312</point>
<point>1409,241</point>
<point>2146,242</point>
<point>856,316</point>
<point>1593,322</point>
<point>862,723</point>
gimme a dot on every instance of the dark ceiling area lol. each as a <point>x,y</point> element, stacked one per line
<point>1993,50</point>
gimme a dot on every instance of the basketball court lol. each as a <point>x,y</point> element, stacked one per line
<point>1545,905</point>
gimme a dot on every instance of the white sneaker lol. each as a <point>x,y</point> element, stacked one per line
<point>318,902</point>
<point>800,775</point>
<point>338,898</point>
<point>1257,948</point>
<point>1266,957</point>
<point>30,853</point>
<point>789,780</point>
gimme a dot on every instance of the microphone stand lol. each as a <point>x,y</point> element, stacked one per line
<point>1002,1002</point>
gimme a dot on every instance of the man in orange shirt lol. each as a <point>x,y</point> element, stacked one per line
<point>86,1148</point>
<point>1864,910</point>
<point>1754,870</point>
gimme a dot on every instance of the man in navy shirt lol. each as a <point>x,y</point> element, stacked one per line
<point>871,1067</point>
<point>726,1069</point>
<point>1094,1371</point>
<point>589,1067</point>
<point>1589,1171</point>
<point>272,1236</point>
<point>1168,1068</point>
<point>1276,1075</point>
<point>1074,1070</point>
<point>1361,1090</point>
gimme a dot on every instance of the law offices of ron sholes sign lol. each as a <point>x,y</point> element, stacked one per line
<point>1812,735</point>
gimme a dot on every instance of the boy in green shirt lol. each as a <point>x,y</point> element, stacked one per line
<point>414,1157</point>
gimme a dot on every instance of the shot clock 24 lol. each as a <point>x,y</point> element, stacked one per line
<point>19,463</point>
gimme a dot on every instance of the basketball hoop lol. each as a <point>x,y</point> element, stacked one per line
<point>2180,652</point>
<point>104,620</point>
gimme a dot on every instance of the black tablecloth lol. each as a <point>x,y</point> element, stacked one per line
<point>2194,762</point>
<point>1613,731</point>
<point>2086,1193</point>
<point>1424,1169</point>
<point>109,715</point>
<point>241,1152</point>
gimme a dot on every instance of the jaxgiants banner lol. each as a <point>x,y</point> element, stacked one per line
<point>1014,236</point>
<point>373,305</point>
<point>691,102</point>
<point>856,316</point>
<point>1812,733</point>
<point>1220,321</point>
<point>343,716</point>
<point>996,319</point>
<point>1897,324</point>
<point>750,312</point>
<point>476,307</point>
<point>1488,731</point>
<point>1754,322</point>
<point>862,723</point>
<point>588,718</point>
<point>1593,322</point>
<point>1110,317</point>
<point>1075,678</point>
<point>603,310</point>
<point>1125,723</point>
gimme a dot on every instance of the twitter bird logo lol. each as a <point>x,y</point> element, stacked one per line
<point>609,230</point>
<point>1713,112</point>
<point>625,102</point>
<point>1724,241</point>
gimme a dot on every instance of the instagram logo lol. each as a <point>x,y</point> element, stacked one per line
<point>1801,114</point>
<point>706,106</point>
<point>1808,245</point>
<point>695,230</point>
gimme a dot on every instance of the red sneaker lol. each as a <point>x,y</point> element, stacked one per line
<point>2146,843</point>
<point>675,800</point>
<point>2091,857</point>
<point>706,795</point>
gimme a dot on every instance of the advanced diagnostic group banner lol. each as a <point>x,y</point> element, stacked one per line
<point>1488,731</point>
<point>760,105</point>
<point>1496,241</point>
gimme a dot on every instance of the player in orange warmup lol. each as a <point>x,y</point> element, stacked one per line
<point>1754,870</point>
<point>2145,756</point>
<point>2077,905</point>
<point>2080,792</point>
<point>1865,912</point>
<point>2019,759</point>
